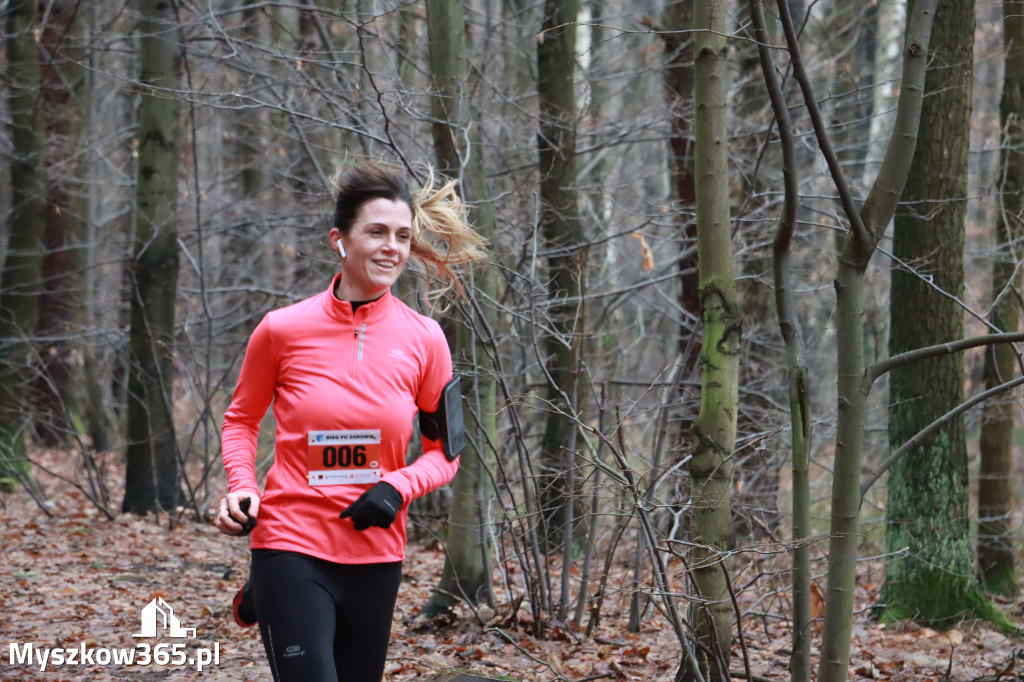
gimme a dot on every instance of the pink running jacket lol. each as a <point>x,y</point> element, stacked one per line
<point>345,388</point>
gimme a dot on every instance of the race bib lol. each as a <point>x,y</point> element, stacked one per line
<point>343,457</point>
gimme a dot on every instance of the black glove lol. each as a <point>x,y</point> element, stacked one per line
<point>378,507</point>
<point>250,521</point>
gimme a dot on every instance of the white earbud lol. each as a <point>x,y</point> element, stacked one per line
<point>341,249</point>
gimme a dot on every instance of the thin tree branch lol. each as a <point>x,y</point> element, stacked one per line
<point>789,327</point>
<point>921,435</point>
<point>842,186</point>
<point>889,364</point>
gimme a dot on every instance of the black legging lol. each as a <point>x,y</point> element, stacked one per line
<point>321,621</point>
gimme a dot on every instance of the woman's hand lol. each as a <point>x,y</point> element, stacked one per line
<point>377,507</point>
<point>232,519</point>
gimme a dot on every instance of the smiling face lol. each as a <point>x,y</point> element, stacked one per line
<point>376,247</point>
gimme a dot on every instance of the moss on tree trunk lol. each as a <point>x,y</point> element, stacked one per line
<point>930,573</point>
<point>713,434</point>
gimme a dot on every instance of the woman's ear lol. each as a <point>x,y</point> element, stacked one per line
<point>335,236</point>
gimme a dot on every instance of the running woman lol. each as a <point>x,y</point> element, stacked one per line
<point>346,372</point>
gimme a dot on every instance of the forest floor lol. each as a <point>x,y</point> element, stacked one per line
<point>73,579</point>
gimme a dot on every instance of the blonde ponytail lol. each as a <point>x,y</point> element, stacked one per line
<point>443,239</point>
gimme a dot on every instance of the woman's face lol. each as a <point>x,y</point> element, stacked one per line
<point>376,249</point>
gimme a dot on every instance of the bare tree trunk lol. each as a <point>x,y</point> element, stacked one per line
<point>756,470</point>
<point>467,570</point>
<point>713,434</point>
<point>562,232</point>
<point>996,563</point>
<point>253,193</point>
<point>677,20</point>
<point>20,277</point>
<point>56,389</point>
<point>152,477</point>
<point>930,573</point>
<point>799,381</point>
<point>854,83</point>
<point>866,229</point>
<point>100,377</point>
<point>246,139</point>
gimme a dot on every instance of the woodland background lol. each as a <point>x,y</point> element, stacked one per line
<point>669,426</point>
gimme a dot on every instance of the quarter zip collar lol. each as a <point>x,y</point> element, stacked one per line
<point>342,310</point>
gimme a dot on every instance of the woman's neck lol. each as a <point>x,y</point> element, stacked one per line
<point>355,304</point>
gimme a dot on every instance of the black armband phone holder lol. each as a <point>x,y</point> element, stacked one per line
<point>446,423</point>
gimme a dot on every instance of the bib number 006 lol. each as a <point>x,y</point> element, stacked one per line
<point>344,457</point>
